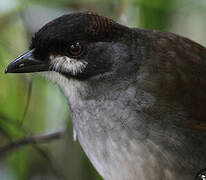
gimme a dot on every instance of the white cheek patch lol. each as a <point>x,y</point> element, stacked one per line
<point>66,64</point>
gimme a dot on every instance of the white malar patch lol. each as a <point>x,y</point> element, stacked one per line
<point>66,64</point>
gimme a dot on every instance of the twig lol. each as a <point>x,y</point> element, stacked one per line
<point>45,138</point>
<point>27,102</point>
<point>53,168</point>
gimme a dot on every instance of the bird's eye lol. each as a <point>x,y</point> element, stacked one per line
<point>76,49</point>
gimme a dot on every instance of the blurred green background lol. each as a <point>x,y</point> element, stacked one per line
<point>46,108</point>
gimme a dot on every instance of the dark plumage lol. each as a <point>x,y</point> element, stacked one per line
<point>137,97</point>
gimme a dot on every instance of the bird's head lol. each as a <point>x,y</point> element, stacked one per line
<point>78,45</point>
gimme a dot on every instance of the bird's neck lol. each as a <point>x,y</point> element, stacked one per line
<point>103,104</point>
<point>111,125</point>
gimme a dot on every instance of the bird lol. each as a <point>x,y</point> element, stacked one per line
<point>137,97</point>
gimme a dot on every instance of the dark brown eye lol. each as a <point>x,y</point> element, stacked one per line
<point>76,49</point>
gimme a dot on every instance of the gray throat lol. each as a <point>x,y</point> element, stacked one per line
<point>112,129</point>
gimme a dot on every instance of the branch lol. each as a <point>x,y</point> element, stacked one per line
<point>30,140</point>
<point>54,169</point>
<point>27,101</point>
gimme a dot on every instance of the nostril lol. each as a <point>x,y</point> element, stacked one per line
<point>21,65</point>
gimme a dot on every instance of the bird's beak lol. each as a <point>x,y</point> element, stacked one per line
<point>26,63</point>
